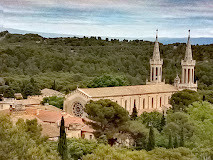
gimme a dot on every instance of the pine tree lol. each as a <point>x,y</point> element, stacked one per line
<point>170,145</point>
<point>176,142</point>
<point>8,93</point>
<point>163,122</point>
<point>151,140</point>
<point>134,113</point>
<point>62,143</point>
<point>181,138</point>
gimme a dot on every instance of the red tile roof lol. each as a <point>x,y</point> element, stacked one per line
<point>87,128</point>
<point>49,116</point>
<point>73,120</point>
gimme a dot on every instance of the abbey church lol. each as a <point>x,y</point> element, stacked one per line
<point>154,96</point>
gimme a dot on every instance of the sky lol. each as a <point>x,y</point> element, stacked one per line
<point>110,18</point>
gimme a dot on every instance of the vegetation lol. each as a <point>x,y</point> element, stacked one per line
<point>86,62</point>
<point>62,142</point>
<point>181,100</point>
<point>30,62</point>
<point>23,141</point>
<point>107,118</point>
<point>175,130</point>
<point>54,100</point>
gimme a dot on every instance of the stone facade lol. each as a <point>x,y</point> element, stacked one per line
<point>154,96</point>
<point>188,71</point>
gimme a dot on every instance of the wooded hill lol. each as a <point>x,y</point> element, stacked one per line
<point>77,61</point>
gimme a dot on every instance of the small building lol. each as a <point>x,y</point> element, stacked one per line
<point>7,103</point>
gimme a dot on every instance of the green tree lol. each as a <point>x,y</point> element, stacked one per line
<point>79,147</point>
<point>23,140</point>
<point>180,125</point>
<point>182,99</point>
<point>176,142</point>
<point>153,117</point>
<point>107,118</point>
<point>108,81</point>
<point>8,93</point>
<point>151,139</point>
<point>162,123</point>
<point>62,142</point>
<point>136,132</point>
<point>181,138</point>
<point>54,85</point>
<point>170,145</point>
<point>54,100</point>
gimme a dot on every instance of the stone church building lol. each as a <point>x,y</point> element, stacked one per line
<point>154,96</point>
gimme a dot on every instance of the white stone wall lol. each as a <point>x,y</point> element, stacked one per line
<point>146,102</point>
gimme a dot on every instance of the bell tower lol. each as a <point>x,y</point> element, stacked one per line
<point>188,65</point>
<point>156,64</point>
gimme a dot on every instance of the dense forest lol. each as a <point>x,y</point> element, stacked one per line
<point>65,63</point>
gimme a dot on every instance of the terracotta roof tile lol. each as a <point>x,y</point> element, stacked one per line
<point>87,128</point>
<point>73,120</point>
<point>49,116</point>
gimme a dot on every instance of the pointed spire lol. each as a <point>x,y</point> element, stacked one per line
<point>156,53</point>
<point>188,53</point>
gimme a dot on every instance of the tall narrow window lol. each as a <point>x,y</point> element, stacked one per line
<point>125,104</point>
<point>156,71</point>
<point>144,103</point>
<point>192,75</point>
<point>188,75</point>
<point>152,102</point>
<point>184,75</point>
<point>160,102</point>
<point>134,103</point>
<point>152,73</point>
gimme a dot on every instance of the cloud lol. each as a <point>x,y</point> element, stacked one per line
<point>111,17</point>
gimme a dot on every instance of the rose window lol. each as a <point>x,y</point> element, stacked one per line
<point>78,109</point>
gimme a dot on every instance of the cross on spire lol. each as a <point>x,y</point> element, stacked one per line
<point>189,35</point>
<point>156,33</point>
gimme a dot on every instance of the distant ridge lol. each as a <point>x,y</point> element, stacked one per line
<point>164,40</point>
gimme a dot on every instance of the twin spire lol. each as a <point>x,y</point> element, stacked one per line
<point>156,52</point>
<point>188,53</point>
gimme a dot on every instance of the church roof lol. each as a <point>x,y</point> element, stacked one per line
<point>127,90</point>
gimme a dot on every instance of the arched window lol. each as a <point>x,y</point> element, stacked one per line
<point>184,76</point>
<point>125,104</point>
<point>152,73</point>
<point>144,103</point>
<point>152,102</point>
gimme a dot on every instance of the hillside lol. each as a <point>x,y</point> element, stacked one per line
<point>76,61</point>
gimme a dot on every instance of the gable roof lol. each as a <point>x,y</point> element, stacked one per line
<point>49,116</point>
<point>50,92</point>
<point>128,90</point>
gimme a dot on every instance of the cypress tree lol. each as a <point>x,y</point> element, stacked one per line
<point>54,85</point>
<point>176,142</point>
<point>62,143</point>
<point>163,122</point>
<point>134,113</point>
<point>170,145</point>
<point>181,138</point>
<point>151,140</point>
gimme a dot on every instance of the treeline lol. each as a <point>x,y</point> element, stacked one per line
<point>72,62</point>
